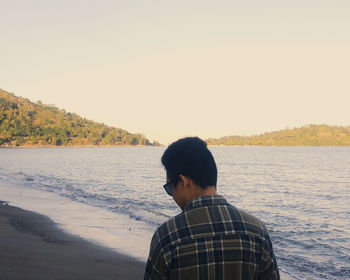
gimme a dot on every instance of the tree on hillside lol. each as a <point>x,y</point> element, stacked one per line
<point>23,122</point>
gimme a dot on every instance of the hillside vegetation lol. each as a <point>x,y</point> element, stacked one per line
<point>310,135</point>
<point>24,123</point>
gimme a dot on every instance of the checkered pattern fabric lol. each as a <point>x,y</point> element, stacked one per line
<point>211,239</point>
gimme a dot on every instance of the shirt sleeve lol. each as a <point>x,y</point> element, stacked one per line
<point>269,269</point>
<point>155,267</point>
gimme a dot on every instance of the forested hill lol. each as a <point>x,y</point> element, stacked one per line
<point>24,123</point>
<point>310,135</point>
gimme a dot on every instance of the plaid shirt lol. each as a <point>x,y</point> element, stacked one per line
<point>211,239</point>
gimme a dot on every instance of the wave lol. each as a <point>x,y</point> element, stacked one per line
<point>134,209</point>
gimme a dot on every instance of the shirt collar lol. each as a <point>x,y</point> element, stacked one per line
<point>205,200</point>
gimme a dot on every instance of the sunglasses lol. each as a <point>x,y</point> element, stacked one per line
<point>168,188</point>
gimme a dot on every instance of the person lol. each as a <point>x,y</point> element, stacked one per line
<point>210,238</point>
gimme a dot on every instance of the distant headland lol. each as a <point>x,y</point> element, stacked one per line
<point>27,124</point>
<point>309,135</point>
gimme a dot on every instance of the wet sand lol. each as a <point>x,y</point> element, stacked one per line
<point>33,247</point>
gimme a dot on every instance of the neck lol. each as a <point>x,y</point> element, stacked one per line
<point>199,192</point>
<point>208,191</point>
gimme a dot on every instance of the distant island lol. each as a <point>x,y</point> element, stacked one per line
<point>24,123</point>
<point>309,135</point>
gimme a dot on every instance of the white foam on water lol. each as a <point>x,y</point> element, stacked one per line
<point>112,230</point>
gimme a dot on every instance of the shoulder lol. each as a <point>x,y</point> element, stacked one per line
<point>253,224</point>
<point>251,219</point>
<point>167,232</point>
<point>172,225</point>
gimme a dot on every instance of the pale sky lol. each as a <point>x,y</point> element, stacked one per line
<point>170,69</point>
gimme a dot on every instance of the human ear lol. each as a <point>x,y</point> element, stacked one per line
<point>181,180</point>
<point>185,182</point>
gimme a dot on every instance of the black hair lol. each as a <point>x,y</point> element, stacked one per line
<point>190,157</point>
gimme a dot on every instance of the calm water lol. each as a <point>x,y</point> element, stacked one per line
<point>302,193</point>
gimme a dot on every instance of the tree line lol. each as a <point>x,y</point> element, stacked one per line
<point>309,135</point>
<point>24,123</point>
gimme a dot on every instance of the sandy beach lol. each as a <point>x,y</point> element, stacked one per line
<point>33,247</point>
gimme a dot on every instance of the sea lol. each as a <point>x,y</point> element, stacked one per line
<point>114,195</point>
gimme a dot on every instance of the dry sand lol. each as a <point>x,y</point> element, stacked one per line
<point>32,247</point>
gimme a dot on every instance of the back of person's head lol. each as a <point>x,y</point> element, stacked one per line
<point>190,157</point>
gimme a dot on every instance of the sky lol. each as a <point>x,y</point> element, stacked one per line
<point>170,69</point>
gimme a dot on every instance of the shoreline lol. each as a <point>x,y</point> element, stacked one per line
<point>161,146</point>
<point>96,225</point>
<point>78,146</point>
<point>43,248</point>
<point>33,247</point>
